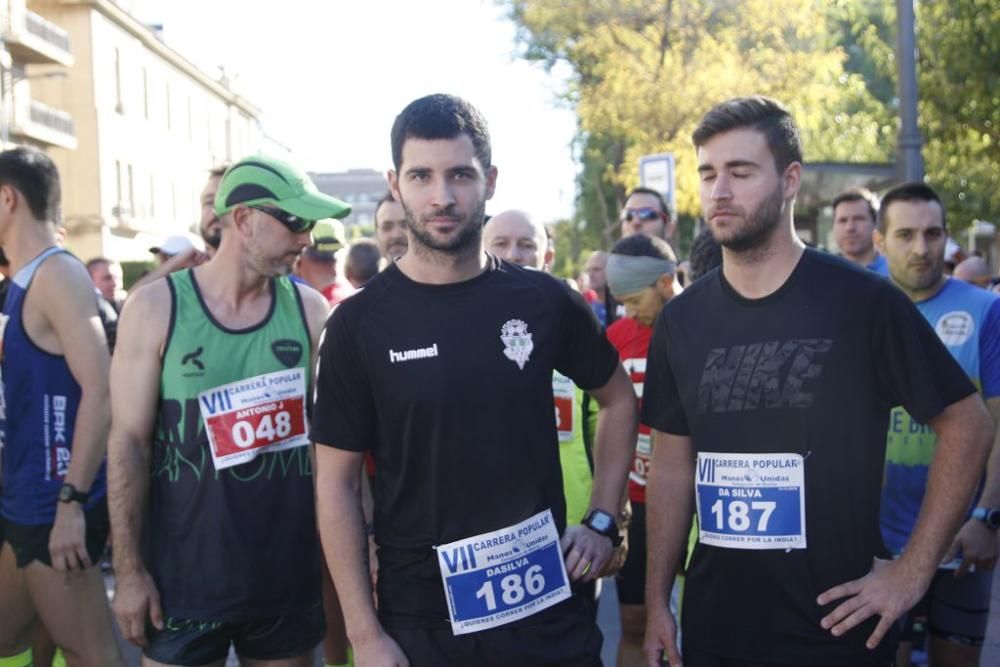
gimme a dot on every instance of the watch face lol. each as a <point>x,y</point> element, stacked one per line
<point>65,493</point>
<point>600,522</point>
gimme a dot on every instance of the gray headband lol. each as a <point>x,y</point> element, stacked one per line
<point>627,274</point>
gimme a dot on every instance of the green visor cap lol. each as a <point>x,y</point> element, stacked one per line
<point>261,180</point>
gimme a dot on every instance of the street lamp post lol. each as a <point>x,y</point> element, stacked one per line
<point>909,159</point>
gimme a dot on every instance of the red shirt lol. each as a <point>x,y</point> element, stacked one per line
<point>337,291</point>
<point>631,339</point>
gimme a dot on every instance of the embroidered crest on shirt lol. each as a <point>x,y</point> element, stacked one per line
<point>517,342</point>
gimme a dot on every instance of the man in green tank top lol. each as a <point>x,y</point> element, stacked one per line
<point>210,475</point>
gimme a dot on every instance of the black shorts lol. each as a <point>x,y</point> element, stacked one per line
<point>631,579</point>
<point>954,608</point>
<point>32,542</point>
<point>565,635</point>
<point>190,642</point>
<point>695,658</point>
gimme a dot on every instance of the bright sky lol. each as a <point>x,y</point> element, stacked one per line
<point>331,75</point>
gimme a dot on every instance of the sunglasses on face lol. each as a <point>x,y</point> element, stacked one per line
<point>644,214</point>
<point>294,223</point>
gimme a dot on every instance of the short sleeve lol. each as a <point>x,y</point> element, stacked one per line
<point>661,401</point>
<point>343,410</point>
<point>989,351</point>
<point>913,367</point>
<point>585,355</point>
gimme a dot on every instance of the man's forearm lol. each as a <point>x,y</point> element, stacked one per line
<point>128,493</point>
<point>965,435</point>
<point>669,508</point>
<point>345,548</point>
<point>991,484</point>
<point>90,439</point>
<point>614,450</point>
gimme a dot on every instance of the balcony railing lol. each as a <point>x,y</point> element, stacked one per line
<point>52,118</point>
<point>47,30</point>
<point>31,38</point>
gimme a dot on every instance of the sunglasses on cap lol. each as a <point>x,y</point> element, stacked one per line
<point>644,214</point>
<point>294,223</point>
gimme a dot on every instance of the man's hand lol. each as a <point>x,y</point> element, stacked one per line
<point>381,649</point>
<point>68,539</point>
<point>136,598</point>
<point>887,591</point>
<point>661,638</point>
<point>586,552</point>
<point>977,543</point>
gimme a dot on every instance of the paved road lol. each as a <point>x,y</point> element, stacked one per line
<point>608,620</point>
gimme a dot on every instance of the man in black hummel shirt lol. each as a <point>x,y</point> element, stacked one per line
<point>769,385</point>
<point>442,369</point>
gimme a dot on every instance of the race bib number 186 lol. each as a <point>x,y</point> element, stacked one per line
<point>501,576</point>
<point>261,414</point>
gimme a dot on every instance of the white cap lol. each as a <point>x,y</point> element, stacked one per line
<point>176,244</point>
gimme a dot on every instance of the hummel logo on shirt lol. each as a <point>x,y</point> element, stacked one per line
<point>410,355</point>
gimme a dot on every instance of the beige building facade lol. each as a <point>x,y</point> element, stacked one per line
<point>30,42</point>
<point>148,127</point>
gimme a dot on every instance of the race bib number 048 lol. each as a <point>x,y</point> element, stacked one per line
<point>501,576</point>
<point>261,414</point>
<point>751,501</point>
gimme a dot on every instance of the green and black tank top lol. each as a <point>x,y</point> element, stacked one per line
<point>231,530</point>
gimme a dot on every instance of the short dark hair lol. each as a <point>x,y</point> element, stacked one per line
<point>387,197</point>
<point>219,170</point>
<point>441,117</point>
<point>643,245</point>
<point>857,195</point>
<point>653,193</point>
<point>706,254</point>
<point>92,264</point>
<point>767,116</point>
<point>363,260</point>
<point>911,191</point>
<point>33,173</point>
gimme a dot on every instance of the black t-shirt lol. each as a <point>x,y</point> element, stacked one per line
<point>812,369</point>
<point>450,388</point>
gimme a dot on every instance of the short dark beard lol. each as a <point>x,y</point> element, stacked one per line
<point>214,240</point>
<point>212,236</point>
<point>467,242</point>
<point>760,226</point>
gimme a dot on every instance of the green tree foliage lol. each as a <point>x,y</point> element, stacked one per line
<point>959,87</point>
<point>644,71</point>
<point>958,44</point>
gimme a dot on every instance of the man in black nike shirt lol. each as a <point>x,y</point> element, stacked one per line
<point>769,385</point>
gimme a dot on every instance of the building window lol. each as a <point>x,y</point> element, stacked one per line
<point>145,93</point>
<point>131,189</point>
<point>118,183</point>
<point>119,106</point>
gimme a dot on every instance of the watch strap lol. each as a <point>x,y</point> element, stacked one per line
<point>988,515</point>
<point>610,532</point>
<point>69,493</point>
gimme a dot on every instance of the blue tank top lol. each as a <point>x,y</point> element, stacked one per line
<point>967,320</point>
<point>37,415</point>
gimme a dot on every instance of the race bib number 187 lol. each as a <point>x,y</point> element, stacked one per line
<point>261,414</point>
<point>751,501</point>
